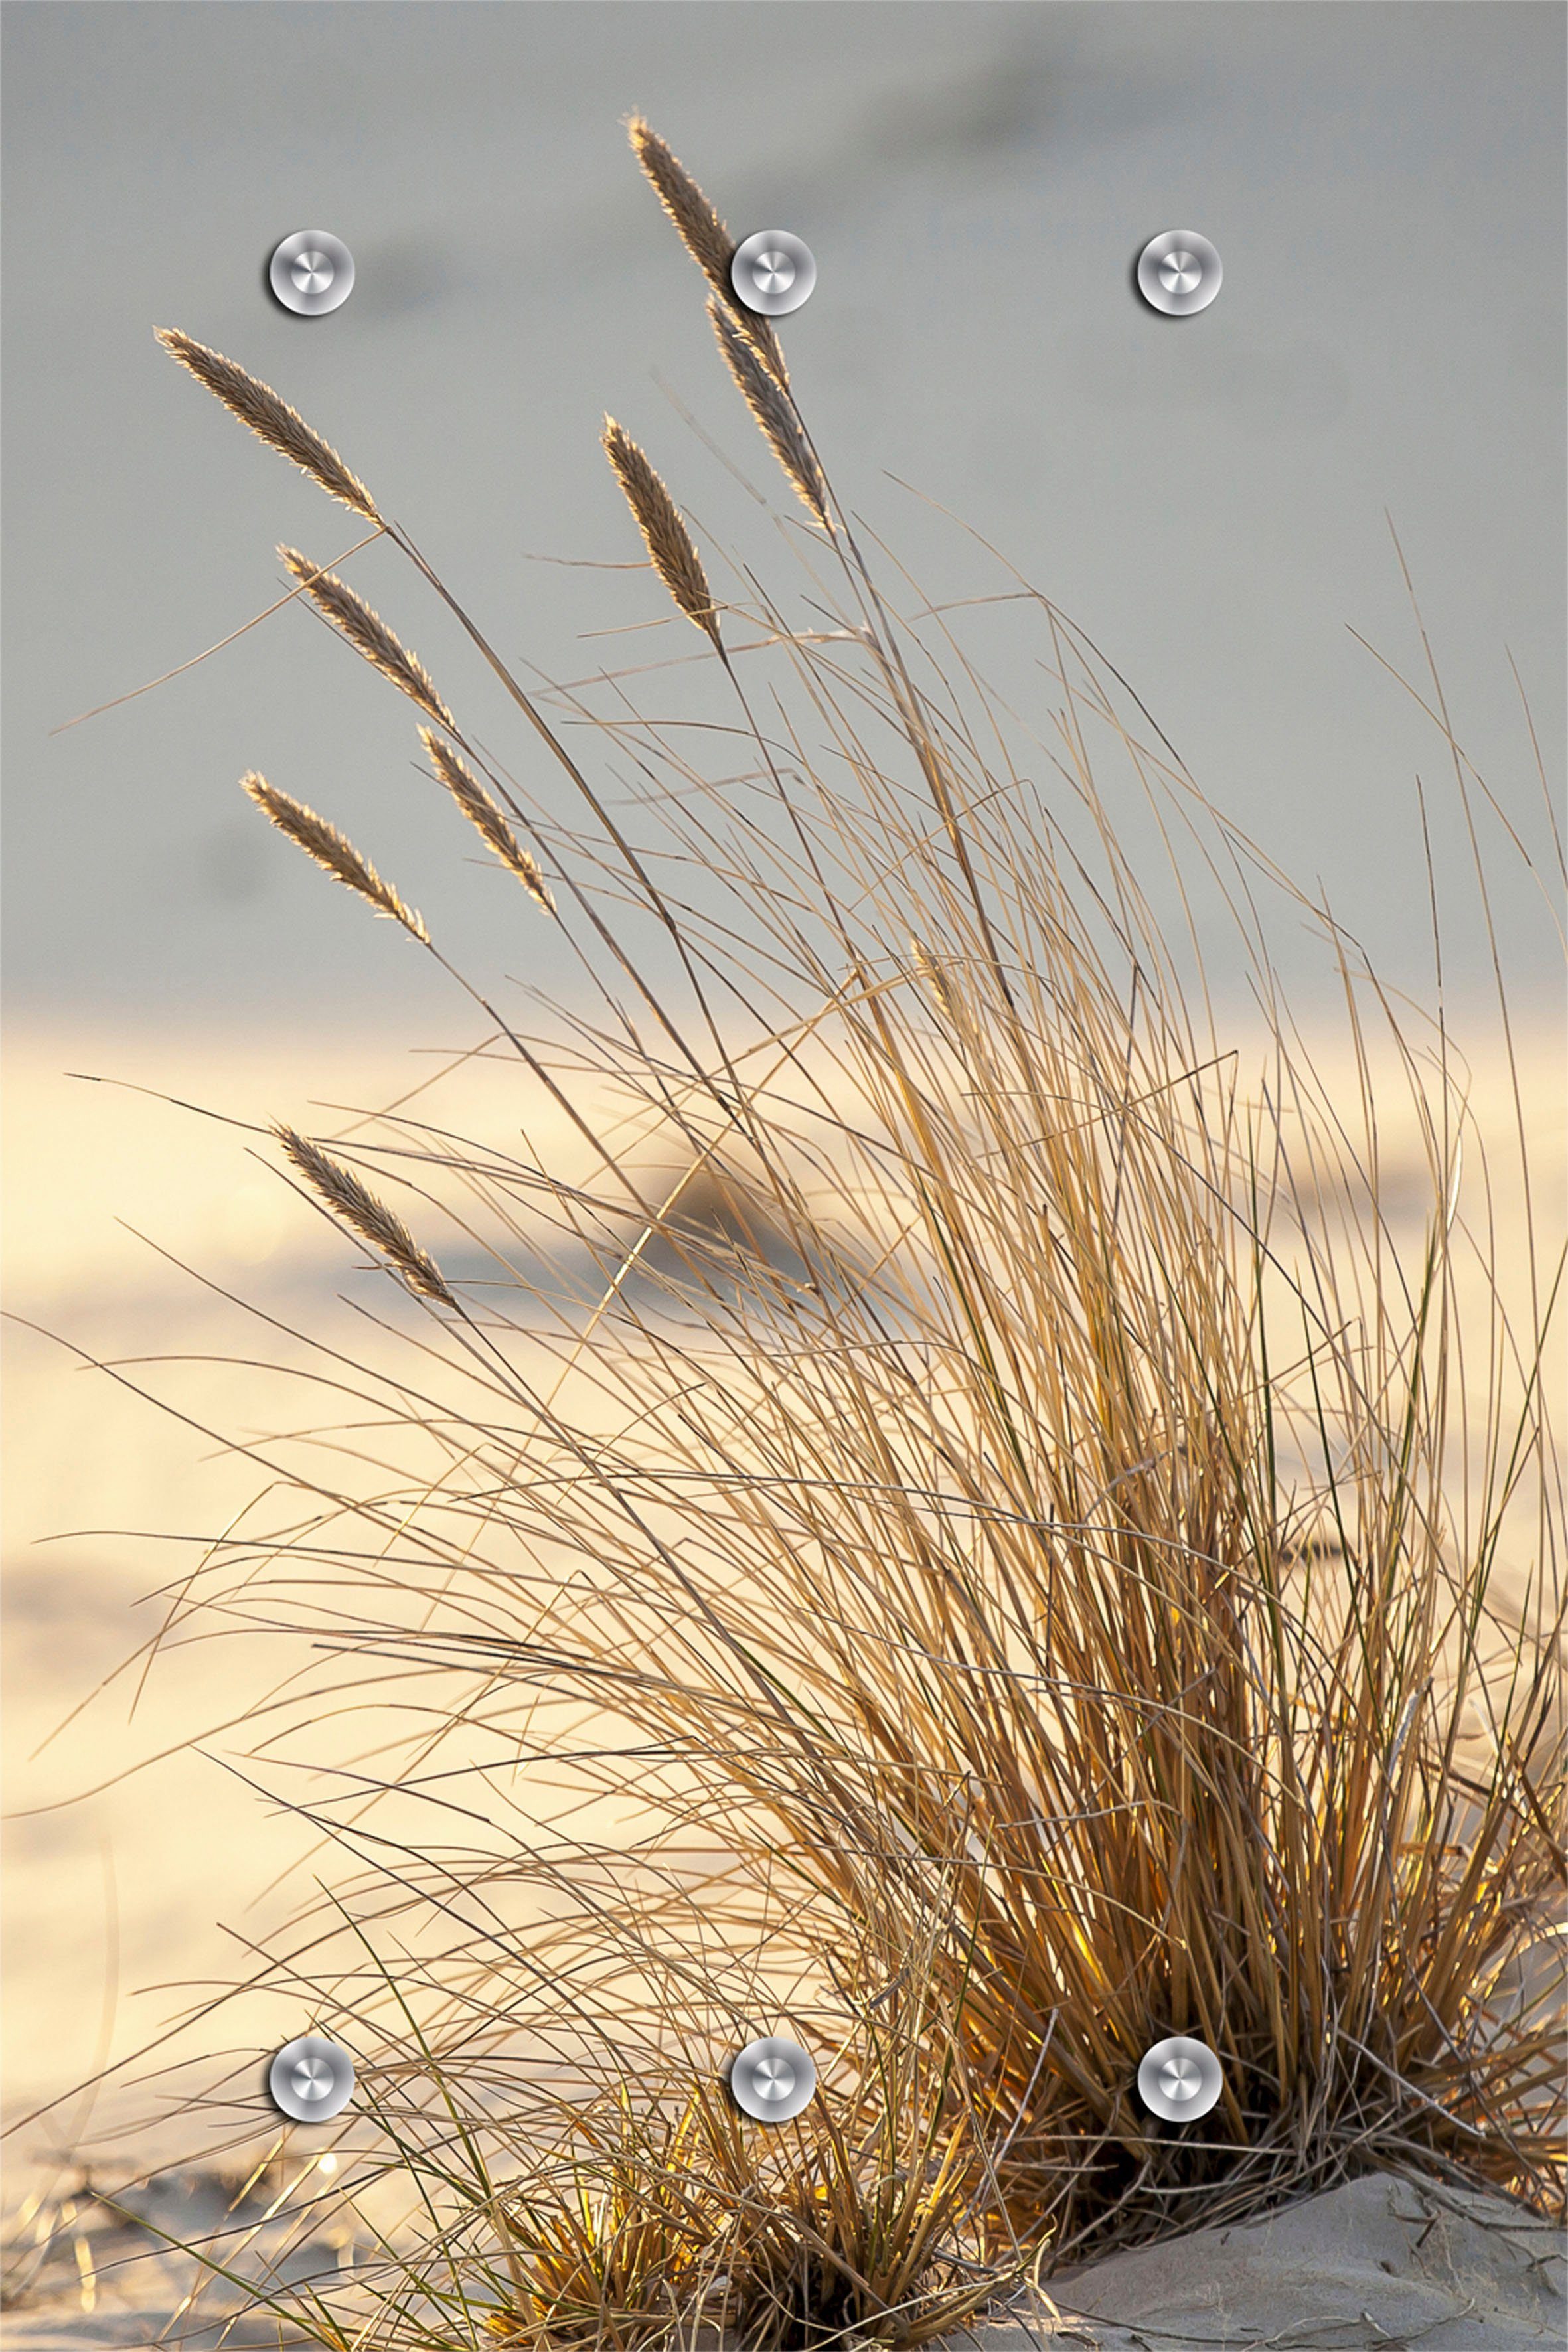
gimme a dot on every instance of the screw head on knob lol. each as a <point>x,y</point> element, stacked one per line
<point>772,2079</point>
<point>1180,2079</point>
<point>312,2080</point>
<point>1179,272</point>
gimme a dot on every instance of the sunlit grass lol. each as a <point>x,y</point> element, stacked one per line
<point>1014,1550</point>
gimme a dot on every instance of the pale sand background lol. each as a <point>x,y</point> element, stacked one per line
<point>126,1888</point>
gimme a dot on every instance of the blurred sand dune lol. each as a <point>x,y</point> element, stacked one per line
<point>126,1888</point>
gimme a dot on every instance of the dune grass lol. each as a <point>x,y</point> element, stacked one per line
<point>1016,1552</point>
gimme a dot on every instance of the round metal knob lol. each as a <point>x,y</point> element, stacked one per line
<point>311,272</point>
<point>1178,272</point>
<point>311,2079</point>
<point>1180,2079</point>
<point>772,2079</point>
<point>772,272</point>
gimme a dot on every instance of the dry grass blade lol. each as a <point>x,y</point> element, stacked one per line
<point>485,817</point>
<point>704,236</point>
<point>774,410</point>
<point>669,544</point>
<point>330,849</point>
<point>272,419</point>
<point>373,1221</point>
<point>367,632</point>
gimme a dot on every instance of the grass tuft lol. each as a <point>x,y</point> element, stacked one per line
<point>1088,1567</point>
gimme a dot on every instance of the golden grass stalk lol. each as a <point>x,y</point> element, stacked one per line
<point>705,237</point>
<point>670,546</point>
<point>272,419</point>
<point>367,632</point>
<point>370,1219</point>
<point>773,409</point>
<point>486,818</point>
<point>330,849</point>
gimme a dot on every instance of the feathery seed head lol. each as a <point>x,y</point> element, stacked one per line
<point>935,978</point>
<point>704,236</point>
<point>272,419</point>
<point>701,231</point>
<point>773,409</point>
<point>332,851</point>
<point>671,547</point>
<point>486,818</point>
<point>367,632</point>
<point>370,1219</point>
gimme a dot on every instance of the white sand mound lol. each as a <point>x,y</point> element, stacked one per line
<point>1378,2263</point>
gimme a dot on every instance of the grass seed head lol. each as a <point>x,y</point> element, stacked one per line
<point>705,237</point>
<point>331,850</point>
<point>272,419</point>
<point>370,1219</point>
<point>773,409</point>
<point>671,550</point>
<point>367,632</point>
<point>485,817</point>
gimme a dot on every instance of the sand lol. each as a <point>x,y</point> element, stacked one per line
<point>1379,2261</point>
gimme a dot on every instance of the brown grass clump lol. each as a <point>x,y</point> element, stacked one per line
<point>373,1221</point>
<point>811,2236</point>
<point>270,419</point>
<point>671,548</point>
<point>367,632</point>
<point>486,818</point>
<point>330,849</point>
<point>1090,1569</point>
